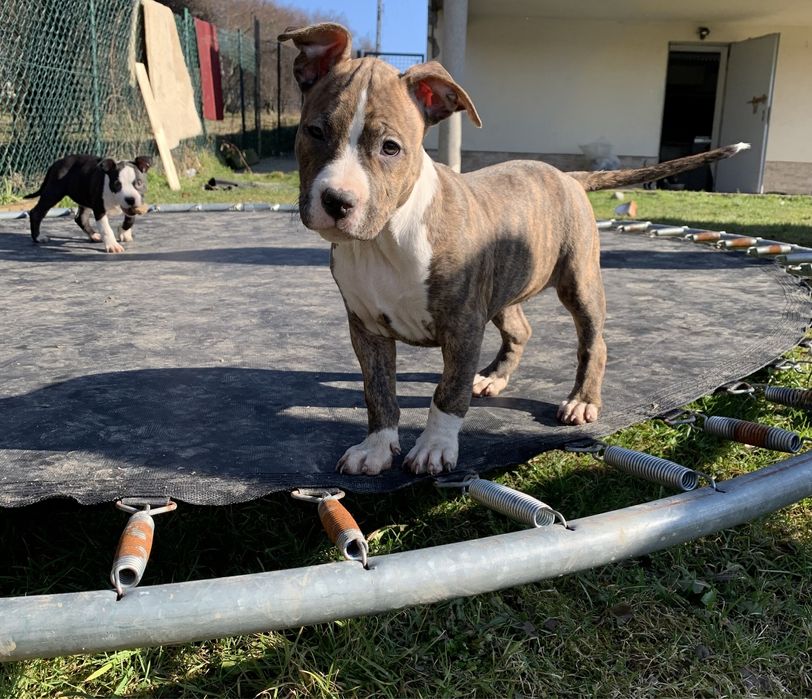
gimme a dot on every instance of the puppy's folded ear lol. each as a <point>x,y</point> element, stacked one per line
<point>436,93</point>
<point>143,163</point>
<point>321,47</point>
<point>107,165</point>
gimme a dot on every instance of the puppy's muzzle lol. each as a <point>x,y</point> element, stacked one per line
<point>338,203</point>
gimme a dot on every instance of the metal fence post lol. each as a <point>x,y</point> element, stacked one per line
<point>94,59</point>
<point>279,98</point>
<point>257,105</point>
<point>242,87</point>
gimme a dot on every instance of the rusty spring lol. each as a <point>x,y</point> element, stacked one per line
<point>652,468</point>
<point>753,434</point>
<point>520,507</point>
<point>793,397</point>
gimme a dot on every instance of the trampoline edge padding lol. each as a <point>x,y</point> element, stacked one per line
<point>51,625</point>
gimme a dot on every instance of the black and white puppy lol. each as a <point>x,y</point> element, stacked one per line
<point>100,188</point>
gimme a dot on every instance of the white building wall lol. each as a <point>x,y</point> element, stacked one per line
<point>548,85</point>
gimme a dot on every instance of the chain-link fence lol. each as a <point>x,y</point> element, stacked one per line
<point>401,61</point>
<point>67,86</point>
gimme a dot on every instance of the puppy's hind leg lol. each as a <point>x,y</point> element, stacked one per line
<point>47,200</point>
<point>515,331</point>
<point>581,292</point>
<point>83,221</point>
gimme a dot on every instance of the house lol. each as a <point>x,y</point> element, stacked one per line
<point>655,80</point>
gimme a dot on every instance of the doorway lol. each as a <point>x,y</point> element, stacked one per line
<point>691,110</point>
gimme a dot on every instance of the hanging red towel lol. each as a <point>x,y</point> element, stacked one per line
<point>211,81</point>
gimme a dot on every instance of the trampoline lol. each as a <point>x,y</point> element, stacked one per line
<point>211,364</point>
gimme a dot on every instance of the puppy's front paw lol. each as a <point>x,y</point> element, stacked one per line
<point>371,456</point>
<point>41,238</point>
<point>95,237</point>
<point>577,412</point>
<point>490,385</point>
<point>113,246</point>
<point>125,236</point>
<point>437,448</point>
<point>433,454</point>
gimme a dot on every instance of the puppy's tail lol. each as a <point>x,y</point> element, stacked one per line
<point>608,179</point>
<point>33,194</point>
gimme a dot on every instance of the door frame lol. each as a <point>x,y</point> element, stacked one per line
<point>722,48</point>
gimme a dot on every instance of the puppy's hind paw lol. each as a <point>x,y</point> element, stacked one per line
<point>113,247</point>
<point>490,385</point>
<point>371,456</point>
<point>577,412</point>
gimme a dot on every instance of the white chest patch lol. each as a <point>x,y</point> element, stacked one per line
<point>383,280</point>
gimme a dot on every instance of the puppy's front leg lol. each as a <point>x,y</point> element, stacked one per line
<point>437,448</point>
<point>109,238</point>
<point>125,233</point>
<point>376,355</point>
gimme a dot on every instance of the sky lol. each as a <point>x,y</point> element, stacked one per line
<point>403,29</point>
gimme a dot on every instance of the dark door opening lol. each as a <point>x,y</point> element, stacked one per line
<point>688,114</point>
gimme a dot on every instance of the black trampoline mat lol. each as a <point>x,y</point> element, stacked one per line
<point>212,363</point>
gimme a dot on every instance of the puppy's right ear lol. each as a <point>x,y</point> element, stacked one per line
<point>108,165</point>
<point>321,47</point>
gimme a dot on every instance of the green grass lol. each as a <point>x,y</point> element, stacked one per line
<point>726,615</point>
<point>273,187</point>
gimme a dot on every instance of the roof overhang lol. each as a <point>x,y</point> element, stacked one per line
<point>774,12</point>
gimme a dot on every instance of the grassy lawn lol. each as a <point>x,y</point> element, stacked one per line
<point>726,615</point>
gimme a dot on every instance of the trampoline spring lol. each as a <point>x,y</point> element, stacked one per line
<point>653,468</point>
<point>793,397</point>
<point>606,224</point>
<point>343,530</point>
<point>135,544</point>
<point>634,226</point>
<point>668,231</point>
<point>516,505</point>
<point>340,526</point>
<point>753,433</point>
<point>706,236</point>
<point>769,250</point>
<point>740,242</point>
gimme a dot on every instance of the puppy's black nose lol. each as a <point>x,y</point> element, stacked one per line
<point>338,202</point>
<point>130,201</point>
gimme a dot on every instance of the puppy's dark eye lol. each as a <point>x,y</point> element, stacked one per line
<point>315,132</point>
<point>390,147</point>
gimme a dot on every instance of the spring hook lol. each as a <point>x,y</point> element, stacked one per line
<point>753,433</point>
<point>340,526</point>
<point>135,544</point>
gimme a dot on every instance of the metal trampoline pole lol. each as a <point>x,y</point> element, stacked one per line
<point>50,625</point>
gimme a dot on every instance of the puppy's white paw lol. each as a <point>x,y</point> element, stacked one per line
<point>96,238</point>
<point>113,246</point>
<point>125,236</point>
<point>371,456</point>
<point>577,412</point>
<point>490,385</point>
<point>437,448</point>
<point>42,238</point>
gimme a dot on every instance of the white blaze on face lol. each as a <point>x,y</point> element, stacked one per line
<point>118,200</point>
<point>386,276</point>
<point>344,173</point>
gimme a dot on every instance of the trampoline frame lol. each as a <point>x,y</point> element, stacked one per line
<point>85,622</point>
